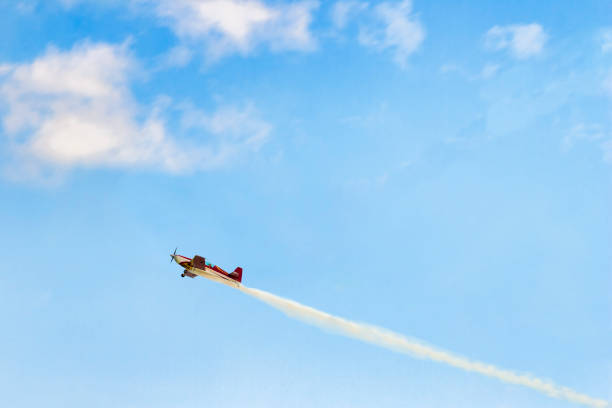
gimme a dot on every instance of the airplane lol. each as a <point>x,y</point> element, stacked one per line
<point>199,267</point>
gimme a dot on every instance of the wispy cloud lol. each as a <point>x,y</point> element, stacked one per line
<point>342,12</point>
<point>5,69</point>
<point>607,83</point>
<point>583,131</point>
<point>605,38</point>
<point>394,27</point>
<point>607,151</point>
<point>224,27</point>
<point>26,6</point>
<point>489,70</point>
<point>178,57</point>
<point>74,108</point>
<point>237,129</point>
<point>521,40</point>
<point>220,28</point>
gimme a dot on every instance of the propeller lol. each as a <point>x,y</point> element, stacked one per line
<point>173,255</point>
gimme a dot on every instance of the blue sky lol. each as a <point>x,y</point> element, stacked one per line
<point>439,169</point>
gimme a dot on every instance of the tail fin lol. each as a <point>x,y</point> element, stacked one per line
<point>237,274</point>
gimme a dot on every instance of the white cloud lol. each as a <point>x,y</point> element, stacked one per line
<point>606,146</point>
<point>523,41</point>
<point>5,69</point>
<point>238,26</point>
<point>606,40</point>
<point>178,56</point>
<point>607,83</point>
<point>450,67</point>
<point>238,129</point>
<point>395,28</point>
<point>343,10</point>
<point>489,70</point>
<point>607,150</point>
<point>583,131</point>
<point>26,6</point>
<point>594,133</point>
<point>75,109</point>
<point>69,4</point>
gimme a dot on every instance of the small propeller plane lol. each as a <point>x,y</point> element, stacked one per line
<point>199,267</point>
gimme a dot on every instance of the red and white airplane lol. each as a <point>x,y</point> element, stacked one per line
<point>199,267</point>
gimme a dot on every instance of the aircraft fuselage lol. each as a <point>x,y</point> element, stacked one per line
<point>207,271</point>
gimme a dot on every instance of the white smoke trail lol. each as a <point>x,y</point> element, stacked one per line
<point>399,343</point>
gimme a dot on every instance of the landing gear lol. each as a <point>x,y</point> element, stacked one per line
<point>182,275</point>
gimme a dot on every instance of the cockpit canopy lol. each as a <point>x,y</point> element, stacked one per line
<point>200,262</point>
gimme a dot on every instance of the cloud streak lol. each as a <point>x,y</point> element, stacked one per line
<point>398,343</point>
<point>522,40</point>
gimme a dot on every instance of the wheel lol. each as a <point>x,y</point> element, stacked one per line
<point>182,275</point>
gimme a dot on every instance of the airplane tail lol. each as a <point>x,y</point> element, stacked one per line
<point>237,274</point>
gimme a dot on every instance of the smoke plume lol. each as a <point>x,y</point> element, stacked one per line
<point>396,342</point>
